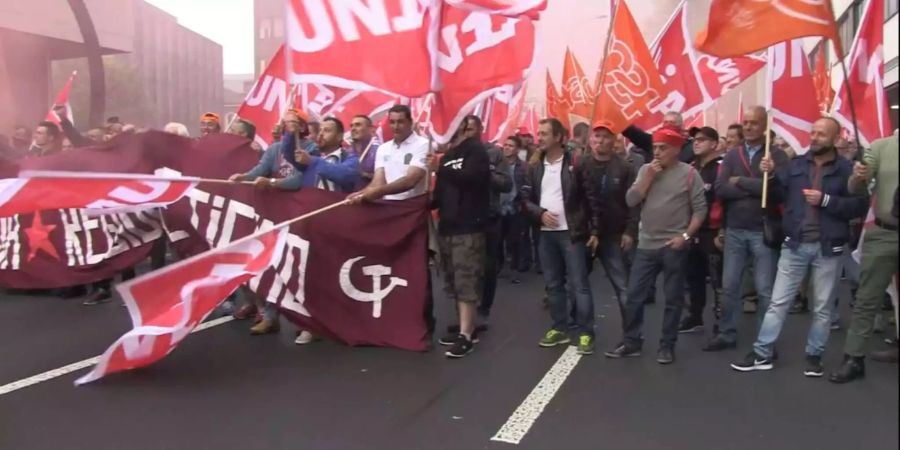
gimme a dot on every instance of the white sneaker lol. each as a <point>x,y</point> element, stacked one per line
<point>305,337</point>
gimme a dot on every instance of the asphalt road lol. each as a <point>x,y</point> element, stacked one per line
<point>223,389</point>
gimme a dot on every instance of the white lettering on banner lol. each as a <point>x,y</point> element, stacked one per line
<point>130,196</point>
<point>869,63</point>
<point>72,228</point>
<point>675,101</point>
<point>728,73</point>
<point>485,37</point>
<point>272,90</point>
<point>779,65</point>
<point>348,14</point>
<point>287,299</point>
<point>323,99</point>
<point>234,209</point>
<point>378,293</point>
<point>10,246</point>
<point>627,81</point>
<point>215,215</point>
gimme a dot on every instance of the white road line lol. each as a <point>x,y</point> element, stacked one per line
<point>56,373</point>
<point>523,418</point>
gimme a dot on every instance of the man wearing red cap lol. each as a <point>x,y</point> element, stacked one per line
<point>673,207</point>
<point>210,124</point>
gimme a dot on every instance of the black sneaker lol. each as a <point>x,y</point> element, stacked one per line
<point>691,324</point>
<point>623,351</point>
<point>451,336</point>
<point>752,362</point>
<point>718,344</point>
<point>814,366</point>
<point>460,348</point>
<point>98,297</point>
<point>665,356</point>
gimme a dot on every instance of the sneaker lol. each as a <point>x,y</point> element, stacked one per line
<point>691,324</point>
<point>835,326</point>
<point>585,345</point>
<point>245,312</point>
<point>265,326</point>
<point>451,336</point>
<point>98,297</point>
<point>305,337</point>
<point>752,362</point>
<point>516,280</point>
<point>460,348</point>
<point>554,338</point>
<point>666,355</point>
<point>814,366</point>
<point>800,306</point>
<point>622,351</point>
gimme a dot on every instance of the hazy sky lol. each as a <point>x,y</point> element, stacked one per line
<point>227,22</point>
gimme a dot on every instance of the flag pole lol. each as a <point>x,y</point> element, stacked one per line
<point>602,77</point>
<point>859,153</point>
<point>768,155</point>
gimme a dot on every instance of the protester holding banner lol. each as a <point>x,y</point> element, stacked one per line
<point>364,146</point>
<point>739,187</point>
<point>818,209</point>
<point>273,170</point>
<point>336,170</point>
<point>46,140</point>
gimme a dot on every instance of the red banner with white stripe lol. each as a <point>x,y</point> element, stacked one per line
<point>268,98</point>
<point>62,98</point>
<point>792,94</point>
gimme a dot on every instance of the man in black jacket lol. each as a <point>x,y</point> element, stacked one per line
<point>462,200</point>
<point>606,177</point>
<point>704,258</point>
<point>555,197</point>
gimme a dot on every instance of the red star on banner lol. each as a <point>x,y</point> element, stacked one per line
<point>39,238</point>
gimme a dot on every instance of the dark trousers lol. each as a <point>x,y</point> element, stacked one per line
<point>513,230</point>
<point>535,244</point>
<point>492,266</point>
<point>646,267</point>
<point>704,260</point>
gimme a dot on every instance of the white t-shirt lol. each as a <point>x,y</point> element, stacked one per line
<point>396,160</point>
<point>552,194</point>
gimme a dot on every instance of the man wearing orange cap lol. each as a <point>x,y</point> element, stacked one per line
<point>210,124</point>
<point>673,207</point>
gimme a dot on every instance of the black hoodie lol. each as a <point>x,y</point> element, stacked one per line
<point>461,191</point>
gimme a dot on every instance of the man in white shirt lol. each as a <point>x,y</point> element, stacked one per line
<point>400,164</point>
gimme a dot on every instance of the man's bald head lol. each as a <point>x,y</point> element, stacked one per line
<point>756,120</point>
<point>824,134</point>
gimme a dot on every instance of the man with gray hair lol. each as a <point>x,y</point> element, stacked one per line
<point>644,141</point>
<point>177,128</point>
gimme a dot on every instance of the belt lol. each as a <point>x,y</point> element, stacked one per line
<point>886,226</point>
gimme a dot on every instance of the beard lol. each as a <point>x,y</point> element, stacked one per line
<point>819,150</point>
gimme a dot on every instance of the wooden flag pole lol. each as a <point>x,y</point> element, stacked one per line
<point>602,77</point>
<point>767,155</point>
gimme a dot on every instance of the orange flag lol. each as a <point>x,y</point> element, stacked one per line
<point>556,105</point>
<point>629,78</point>
<point>576,89</point>
<point>741,27</point>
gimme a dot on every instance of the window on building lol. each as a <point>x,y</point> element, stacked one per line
<point>890,8</point>
<point>265,29</point>
<point>278,28</point>
<point>849,23</point>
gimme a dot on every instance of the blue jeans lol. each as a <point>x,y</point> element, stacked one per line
<point>824,276</point>
<point>740,245</point>
<point>644,270</point>
<point>562,261</point>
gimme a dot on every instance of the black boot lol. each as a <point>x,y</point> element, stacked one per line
<point>854,367</point>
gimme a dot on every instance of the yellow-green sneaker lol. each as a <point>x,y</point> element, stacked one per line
<point>554,338</point>
<point>585,345</point>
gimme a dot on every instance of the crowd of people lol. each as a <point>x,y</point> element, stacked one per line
<point>758,226</point>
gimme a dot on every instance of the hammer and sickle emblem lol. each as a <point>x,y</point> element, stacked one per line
<point>378,293</point>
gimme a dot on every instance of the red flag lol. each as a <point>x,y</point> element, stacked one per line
<point>577,91</point>
<point>692,81</point>
<point>866,80</point>
<point>630,79</point>
<point>822,80</point>
<point>529,8</point>
<point>268,98</point>
<point>362,45</point>
<point>792,94</point>
<point>697,120</point>
<point>503,112</point>
<point>62,98</point>
<point>741,27</point>
<point>102,192</point>
<point>557,107</point>
<point>384,129</point>
<point>531,120</point>
<point>166,305</point>
<point>473,66</point>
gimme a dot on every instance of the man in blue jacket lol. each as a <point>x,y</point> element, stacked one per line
<point>334,169</point>
<point>818,207</point>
